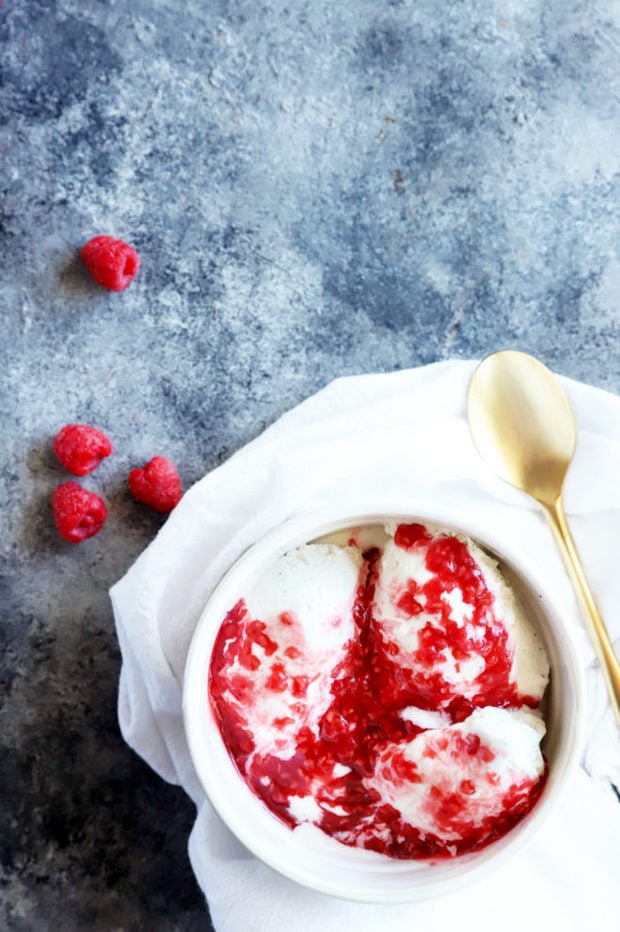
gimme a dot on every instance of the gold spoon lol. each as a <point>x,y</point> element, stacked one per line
<point>523,426</point>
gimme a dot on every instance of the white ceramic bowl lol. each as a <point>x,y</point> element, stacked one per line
<point>305,854</point>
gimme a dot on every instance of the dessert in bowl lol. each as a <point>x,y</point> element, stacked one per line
<point>382,705</point>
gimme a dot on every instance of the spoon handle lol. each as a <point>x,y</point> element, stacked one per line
<point>592,617</point>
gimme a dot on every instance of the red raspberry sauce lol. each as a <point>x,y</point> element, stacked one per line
<point>369,689</point>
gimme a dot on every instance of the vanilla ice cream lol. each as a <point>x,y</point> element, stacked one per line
<point>283,640</point>
<point>457,782</point>
<point>384,684</point>
<point>454,625</point>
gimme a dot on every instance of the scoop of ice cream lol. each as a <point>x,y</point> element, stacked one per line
<point>454,627</point>
<point>315,586</point>
<point>464,782</point>
<point>273,664</point>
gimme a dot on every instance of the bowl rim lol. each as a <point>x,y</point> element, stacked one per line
<point>305,526</point>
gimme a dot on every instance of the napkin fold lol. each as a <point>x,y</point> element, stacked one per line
<point>360,437</point>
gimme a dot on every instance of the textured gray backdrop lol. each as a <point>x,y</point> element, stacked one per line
<point>315,189</point>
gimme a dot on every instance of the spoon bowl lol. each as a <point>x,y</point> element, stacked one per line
<point>523,426</point>
<point>522,423</point>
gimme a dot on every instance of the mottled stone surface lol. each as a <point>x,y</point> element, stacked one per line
<point>315,189</point>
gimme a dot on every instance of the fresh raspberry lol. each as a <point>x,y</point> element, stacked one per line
<point>80,448</point>
<point>78,513</point>
<point>111,262</point>
<point>156,484</point>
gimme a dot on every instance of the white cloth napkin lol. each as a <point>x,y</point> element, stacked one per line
<point>404,433</point>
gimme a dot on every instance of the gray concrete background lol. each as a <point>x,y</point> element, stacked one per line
<point>315,189</point>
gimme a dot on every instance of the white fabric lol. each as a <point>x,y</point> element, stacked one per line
<point>404,433</point>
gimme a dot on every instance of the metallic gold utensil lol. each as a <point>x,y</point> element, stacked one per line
<point>523,426</point>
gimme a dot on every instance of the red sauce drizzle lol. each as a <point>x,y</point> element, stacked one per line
<point>370,686</point>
